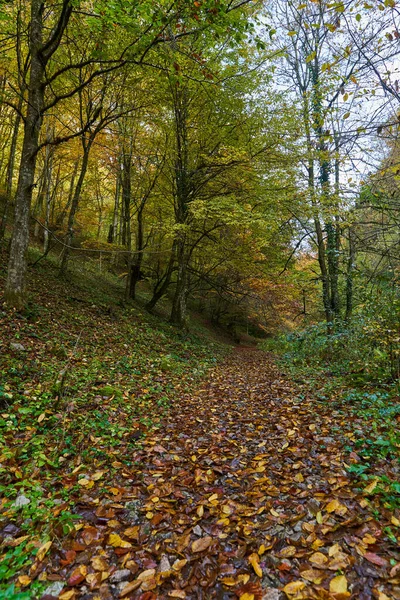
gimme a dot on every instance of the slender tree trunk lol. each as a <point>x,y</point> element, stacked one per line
<point>162,285</point>
<point>61,216</point>
<point>126,184</point>
<point>10,170</point>
<point>113,231</point>
<point>349,275</point>
<point>74,208</point>
<point>48,206</point>
<point>138,258</point>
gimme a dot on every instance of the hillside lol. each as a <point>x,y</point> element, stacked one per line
<point>142,462</point>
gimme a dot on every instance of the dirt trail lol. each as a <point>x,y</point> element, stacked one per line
<point>243,493</point>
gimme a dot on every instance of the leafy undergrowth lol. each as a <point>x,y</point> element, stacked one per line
<point>361,391</point>
<point>83,380</point>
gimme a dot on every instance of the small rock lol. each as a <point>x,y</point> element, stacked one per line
<point>54,589</point>
<point>21,500</point>
<point>17,347</point>
<point>121,575</point>
<point>164,565</point>
<point>197,530</point>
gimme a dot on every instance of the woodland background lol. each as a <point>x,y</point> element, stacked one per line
<point>242,158</point>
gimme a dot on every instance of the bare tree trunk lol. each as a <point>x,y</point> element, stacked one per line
<point>136,265</point>
<point>10,170</point>
<point>349,275</point>
<point>178,313</point>
<point>162,285</point>
<point>40,54</point>
<point>15,285</point>
<point>74,208</point>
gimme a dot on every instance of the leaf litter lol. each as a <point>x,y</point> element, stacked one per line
<point>242,492</point>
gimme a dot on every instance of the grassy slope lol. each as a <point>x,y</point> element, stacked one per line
<point>123,368</point>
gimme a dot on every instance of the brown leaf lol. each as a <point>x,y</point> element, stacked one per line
<point>375,559</point>
<point>201,544</point>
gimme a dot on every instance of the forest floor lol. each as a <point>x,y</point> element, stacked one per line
<point>165,467</point>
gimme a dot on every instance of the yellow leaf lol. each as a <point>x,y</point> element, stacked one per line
<point>293,588</point>
<point>369,539</point>
<point>288,552</point>
<point>177,594</point>
<point>395,522</point>
<point>98,563</point>
<point>246,596</point>
<point>200,511</point>
<point>43,551</point>
<point>98,475</point>
<point>67,595</point>
<point>262,549</point>
<point>370,488</point>
<point>179,564</point>
<point>254,561</point>
<point>41,417</point>
<point>274,512</point>
<point>213,497</point>
<point>147,574</point>
<point>83,482</point>
<point>338,585</point>
<point>299,478</point>
<point>149,515</point>
<point>319,517</point>
<point>312,575</point>
<point>229,581</point>
<point>332,506</point>
<point>226,510</point>
<point>117,542</point>
<point>201,544</point>
<point>318,558</point>
<point>24,580</point>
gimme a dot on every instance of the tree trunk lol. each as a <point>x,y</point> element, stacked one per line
<point>136,265</point>
<point>162,285</point>
<point>178,312</point>
<point>40,54</point>
<point>15,285</point>
<point>74,208</point>
<point>349,275</point>
<point>126,184</point>
<point>10,171</point>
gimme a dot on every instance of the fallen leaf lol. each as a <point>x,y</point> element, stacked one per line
<point>375,559</point>
<point>77,576</point>
<point>201,544</point>
<point>254,561</point>
<point>338,585</point>
<point>43,551</point>
<point>318,558</point>
<point>293,588</point>
<point>117,542</point>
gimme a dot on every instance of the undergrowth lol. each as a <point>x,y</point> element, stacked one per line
<point>353,371</point>
<point>83,379</point>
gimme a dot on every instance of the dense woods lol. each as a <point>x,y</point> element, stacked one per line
<point>229,162</point>
<point>219,152</point>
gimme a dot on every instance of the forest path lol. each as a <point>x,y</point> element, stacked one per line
<point>242,493</point>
